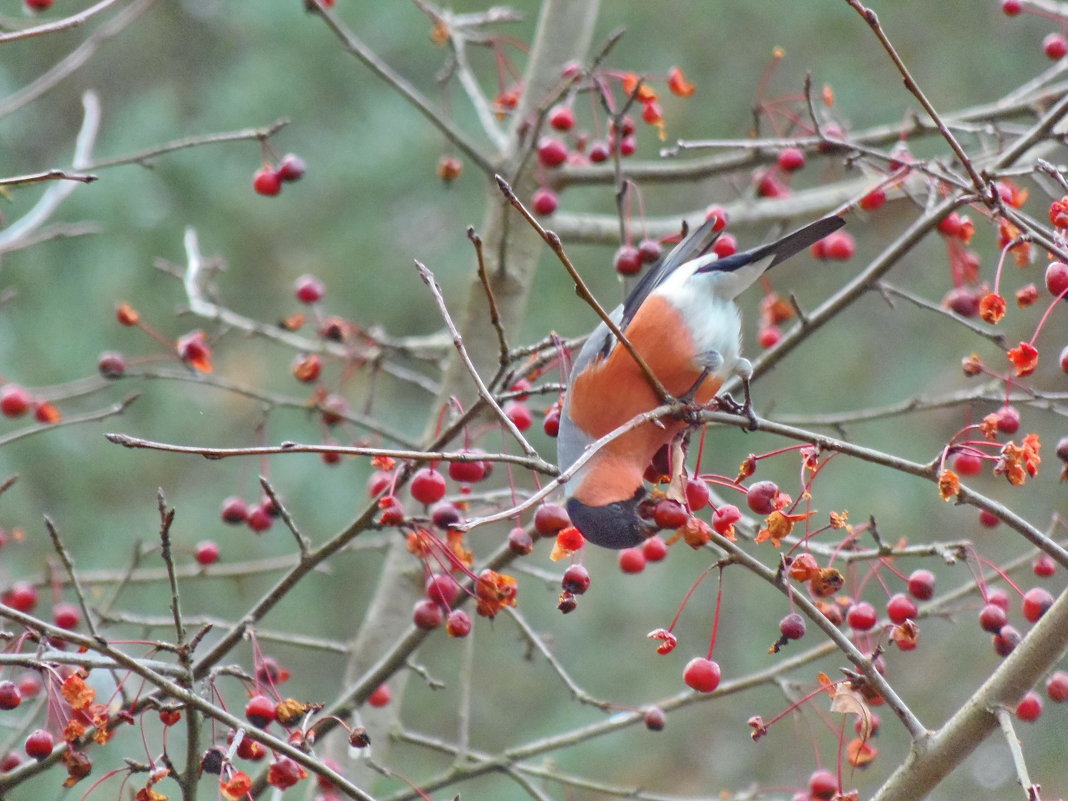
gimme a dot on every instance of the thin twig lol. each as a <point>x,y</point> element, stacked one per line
<point>287,518</point>
<point>458,342</point>
<point>68,565</point>
<point>994,336</point>
<point>48,175</point>
<point>73,21</point>
<point>491,300</point>
<point>1004,717</point>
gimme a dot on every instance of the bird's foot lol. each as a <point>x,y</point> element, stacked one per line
<point>728,404</point>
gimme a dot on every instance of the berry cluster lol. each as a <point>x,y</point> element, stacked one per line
<point>268,180</point>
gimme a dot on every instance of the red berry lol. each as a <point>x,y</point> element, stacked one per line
<point>66,615</point>
<point>427,485</point>
<point>442,589</point>
<point>1036,602</point>
<point>761,497</point>
<point>696,494</point>
<point>992,618</point>
<point>551,424</point>
<point>1055,46</point>
<point>30,685</point>
<point>1064,359</point>
<point>791,158</point>
<point>1030,708</point>
<point>458,623</point>
<point>962,300</point>
<point>839,246</point>
<point>649,250</point>
<point>726,245</point>
<point>380,697</point>
<point>861,616</point>
<point>627,146</point>
<point>519,541</point>
<point>10,697</point>
<point>654,717</point>
<point>1006,640</point>
<point>1044,566</point>
<point>823,784</point>
<point>967,463</point>
<point>10,761</point>
<point>520,415</point>
<point>1057,277</point>
<point>770,186</point>
<point>1008,421</point>
<point>307,368</point>
<point>769,336</point>
<point>444,515</point>
<point>654,549</point>
<point>873,200</point>
<point>562,118</point>
<point>632,560</point>
<point>1057,687</point>
<point>669,514</point>
<point>576,580</point>
<point>725,517</point>
<point>427,615</point>
<point>260,711</point>
<point>551,152</point>
<point>721,217</point>
<point>599,152</point>
<point>14,400</point>
<point>266,182</point>
<point>22,596</point>
<point>988,519</point>
<point>291,168</point>
<point>900,608</point>
<point>627,260</point>
<point>234,510</point>
<point>111,364</point>
<point>550,519</point>
<point>998,597</point>
<point>259,520</point>
<point>206,552</point>
<point>701,674</point>
<point>309,289</point>
<point>1010,8</point>
<point>39,744</point>
<point>922,584</point>
<point>792,627</point>
<point>544,201</point>
<point>467,472</point>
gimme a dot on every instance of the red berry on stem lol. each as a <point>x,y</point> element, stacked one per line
<point>1057,687</point>
<point>721,217</point>
<point>520,415</point>
<point>628,146</point>
<point>427,485</point>
<point>627,260</point>
<point>1044,566</point>
<point>922,584</point>
<point>266,182</point>
<point>1010,8</point>
<point>576,580</point>
<point>761,497</point>
<point>10,697</point>
<point>66,615</point>
<point>551,424</point>
<point>550,519</point>
<point>544,201</point>
<point>654,549</point>
<point>669,514</point>
<point>1036,602</point>
<point>551,152</point>
<point>988,519</point>
<point>458,623</point>
<point>22,596</point>
<point>234,510</point>
<point>1056,277</point>
<point>823,784</point>
<point>260,711</point>
<point>873,200</point>
<point>519,541</point>
<point>111,364</point>
<point>1055,46</point>
<point>1030,707</point>
<point>791,158</point>
<point>39,744</point>
<point>599,152</point>
<point>427,615</point>
<point>696,494</point>
<point>900,608</point>
<point>992,618</point>
<point>291,168</point>
<point>632,560</point>
<point>442,589</point>
<point>1006,640</point>
<point>467,472</point>
<point>726,245</point>
<point>649,250</point>
<point>562,118</point>
<point>258,519</point>
<point>839,246</point>
<point>309,289</point>
<point>792,627</point>
<point>701,674</point>
<point>654,717</point>
<point>769,336</point>
<point>725,517</point>
<point>861,616</point>
<point>206,552</point>
<point>381,696</point>
<point>14,400</point>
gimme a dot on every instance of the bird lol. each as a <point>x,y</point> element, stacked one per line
<point>681,317</point>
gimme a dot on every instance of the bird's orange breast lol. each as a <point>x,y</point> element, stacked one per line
<point>612,390</point>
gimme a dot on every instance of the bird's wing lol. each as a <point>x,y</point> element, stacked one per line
<point>781,249</point>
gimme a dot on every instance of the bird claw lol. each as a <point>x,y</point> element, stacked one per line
<point>728,404</point>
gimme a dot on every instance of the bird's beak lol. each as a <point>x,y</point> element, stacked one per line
<point>614,525</point>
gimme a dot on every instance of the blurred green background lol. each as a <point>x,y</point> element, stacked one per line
<point>370,204</point>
